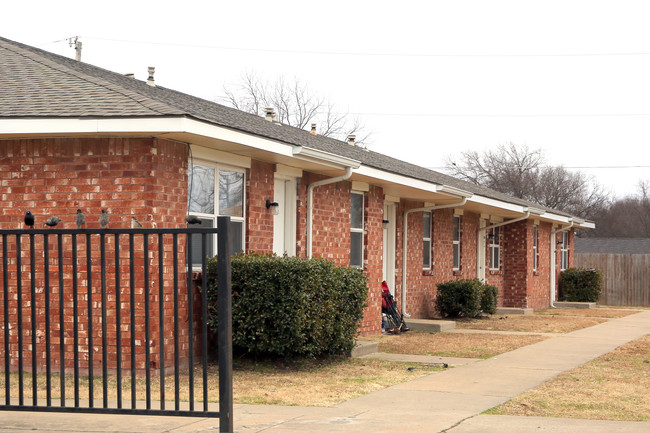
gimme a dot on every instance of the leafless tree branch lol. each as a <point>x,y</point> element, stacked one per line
<point>296,105</point>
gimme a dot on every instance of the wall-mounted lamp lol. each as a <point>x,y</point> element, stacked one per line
<point>274,206</point>
<point>384,223</point>
<point>560,242</point>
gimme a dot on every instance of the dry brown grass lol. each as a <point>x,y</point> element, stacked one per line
<point>532,323</point>
<point>606,313</point>
<point>612,387</point>
<point>481,345</point>
<point>305,383</point>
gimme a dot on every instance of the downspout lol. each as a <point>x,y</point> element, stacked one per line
<point>552,270</point>
<point>310,204</point>
<point>405,242</point>
<point>483,229</point>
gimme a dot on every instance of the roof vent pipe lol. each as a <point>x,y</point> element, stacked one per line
<point>269,114</point>
<point>351,139</point>
<point>313,129</point>
<point>150,80</point>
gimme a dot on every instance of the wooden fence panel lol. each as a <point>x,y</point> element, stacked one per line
<point>626,277</point>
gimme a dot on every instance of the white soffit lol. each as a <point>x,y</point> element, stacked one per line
<point>285,170</point>
<point>212,155</point>
<point>323,158</point>
<point>375,173</point>
<point>360,186</point>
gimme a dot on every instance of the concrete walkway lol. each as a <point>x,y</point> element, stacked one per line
<point>450,401</point>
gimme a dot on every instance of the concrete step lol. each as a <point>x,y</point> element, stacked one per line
<point>426,325</point>
<point>587,305</point>
<point>502,311</point>
<point>363,348</point>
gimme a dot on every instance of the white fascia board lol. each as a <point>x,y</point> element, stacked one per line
<point>523,209</point>
<point>397,179</point>
<point>497,203</point>
<point>324,158</point>
<point>454,191</point>
<point>148,125</point>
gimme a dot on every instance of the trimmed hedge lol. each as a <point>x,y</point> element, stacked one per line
<point>581,285</point>
<point>489,299</point>
<point>288,306</point>
<point>465,298</point>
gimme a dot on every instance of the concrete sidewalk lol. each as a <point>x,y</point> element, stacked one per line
<point>450,401</point>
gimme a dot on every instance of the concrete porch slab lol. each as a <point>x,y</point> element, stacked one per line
<point>426,325</point>
<point>363,348</point>
<point>502,311</point>
<point>586,305</point>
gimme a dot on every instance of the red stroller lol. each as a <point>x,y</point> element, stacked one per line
<point>391,317</point>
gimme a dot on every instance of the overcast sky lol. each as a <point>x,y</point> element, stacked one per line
<point>430,78</point>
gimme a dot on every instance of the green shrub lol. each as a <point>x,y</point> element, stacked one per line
<point>287,306</point>
<point>581,285</point>
<point>465,298</point>
<point>489,299</point>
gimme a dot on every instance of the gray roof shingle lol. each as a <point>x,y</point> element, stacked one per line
<point>612,245</point>
<point>36,83</point>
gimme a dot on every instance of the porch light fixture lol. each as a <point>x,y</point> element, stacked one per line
<point>274,206</point>
<point>385,223</point>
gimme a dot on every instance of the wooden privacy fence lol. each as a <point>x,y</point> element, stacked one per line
<point>626,277</point>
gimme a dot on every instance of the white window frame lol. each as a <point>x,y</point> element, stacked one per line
<point>217,167</point>
<point>456,245</point>
<point>535,248</point>
<point>495,248</point>
<point>357,229</point>
<point>564,251</point>
<point>426,240</point>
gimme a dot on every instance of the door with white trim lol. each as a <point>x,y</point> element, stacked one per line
<point>389,246</point>
<point>284,224</point>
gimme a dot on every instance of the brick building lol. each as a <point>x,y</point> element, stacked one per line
<point>74,136</point>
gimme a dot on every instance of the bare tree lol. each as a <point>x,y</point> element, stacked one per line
<point>628,217</point>
<point>520,172</point>
<point>296,105</point>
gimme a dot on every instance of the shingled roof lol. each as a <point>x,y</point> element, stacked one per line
<point>612,245</point>
<point>38,84</point>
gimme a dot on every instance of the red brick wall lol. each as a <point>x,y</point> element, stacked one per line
<point>373,258</point>
<point>141,177</point>
<point>421,283</point>
<point>259,219</point>
<point>515,264</point>
<point>539,281</point>
<point>330,220</point>
<point>331,235</point>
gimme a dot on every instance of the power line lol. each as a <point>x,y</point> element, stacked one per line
<point>370,54</point>
<point>563,166</point>
<point>505,115</point>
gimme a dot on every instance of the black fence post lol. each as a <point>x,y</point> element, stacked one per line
<point>224,310</point>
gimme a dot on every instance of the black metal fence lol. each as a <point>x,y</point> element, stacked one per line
<point>110,308</point>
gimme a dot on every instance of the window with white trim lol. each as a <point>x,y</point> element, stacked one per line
<point>356,229</point>
<point>564,251</point>
<point>456,244</point>
<point>426,240</point>
<point>215,190</point>
<point>535,248</point>
<point>495,248</point>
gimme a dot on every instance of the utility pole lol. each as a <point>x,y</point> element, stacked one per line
<point>77,47</point>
